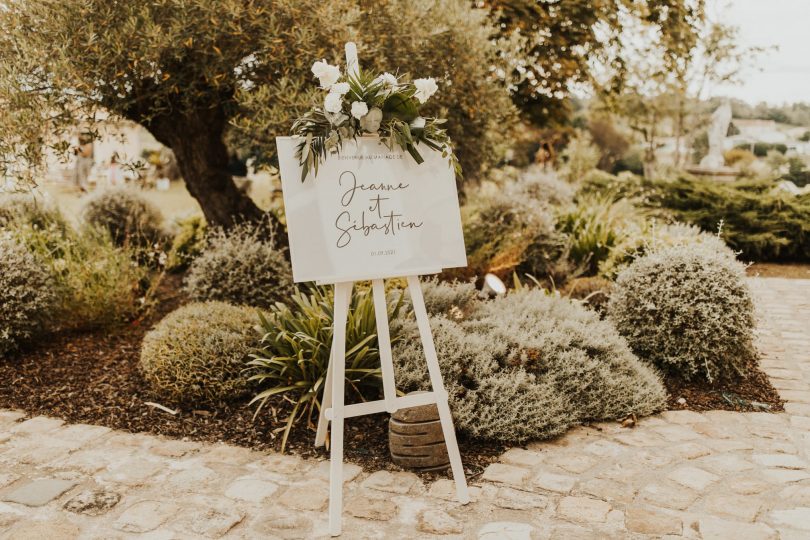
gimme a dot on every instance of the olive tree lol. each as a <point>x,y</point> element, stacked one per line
<point>174,66</point>
<point>209,76</point>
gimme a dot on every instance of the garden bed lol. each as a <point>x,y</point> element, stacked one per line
<point>93,377</point>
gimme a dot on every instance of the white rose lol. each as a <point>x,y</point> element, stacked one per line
<point>327,75</point>
<point>333,102</point>
<point>359,109</point>
<point>425,88</point>
<point>386,79</point>
<point>340,88</point>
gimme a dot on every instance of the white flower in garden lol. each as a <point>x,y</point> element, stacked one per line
<point>359,109</point>
<point>386,79</point>
<point>425,88</point>
<point>327,75</point>
<point>340,88</point>
<point>333,102</point>
<point>418,123</point>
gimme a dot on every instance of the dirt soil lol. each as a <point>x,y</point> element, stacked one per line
<point>93,377</point>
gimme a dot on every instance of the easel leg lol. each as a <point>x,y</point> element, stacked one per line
<point>384,340</point>
<point>326,402</point>
<point>449,431</point>
<point>343,292</point>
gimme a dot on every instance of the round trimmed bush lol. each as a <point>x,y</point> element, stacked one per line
<point>240,266</point>
<point>527,365</point>
<point>26,294</point>
<point>127,215</point>
<point>198,353</point>
<point>20,209</point>
<point>687,309</point>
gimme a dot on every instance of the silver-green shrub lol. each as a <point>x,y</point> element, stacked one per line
<point>19,209</point>
<point>26,294</point>
<point>528,366</point>
<point>198,353</point>
<point>240,266</point>
<point>127,215</point>
<point>687,309</point>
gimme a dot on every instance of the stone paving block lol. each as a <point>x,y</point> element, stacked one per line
<point>783,461</point>
<point>796,494</point>
<point>574,463</point>
<point>668,494</point>
<point>505,530</point>
<point>81,433</point>
<point>281,523</point>
<point>9,418</point>
<point>350,471</point>
<point>692,477</point>
<point>738,507</point>
<point>514,499</point>
<point>521,457</point>
<point>445,489</point>
<point>683,417</point>
<point>554,482</point>
<point>93,502</point>
<point>375,509</point>
<point>50,529</point>
<point>583,509</point>
<point>506,474</point>
<point>175,449</point>
<point>784,476</point>
<point>7,478</point>
<point>37,425</point>
<point>649,520</point>
<point>250,489</point>
<point>310,495</point>
<point>797,518</point>
<point>438,522</point>
<point>392,482</point>
<point>213,520</point>
<point>609,490</point>
<point>712,528</point>
<point>39,492</point>
<point>132,472</point>
<point>144,516</point>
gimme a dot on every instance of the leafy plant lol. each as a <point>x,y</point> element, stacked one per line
<point>96,283</point>
<point>188,243</point>
<point>240,266</point>
<point>128,216</point>
<point>197,354</point>
<point>295,349</point>
<point>687,309</point>
<point>763,223</point>
<point>364,103</point>
<point>26,294</point>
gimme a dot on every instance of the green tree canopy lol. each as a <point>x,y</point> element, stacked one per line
<point>199,74</point>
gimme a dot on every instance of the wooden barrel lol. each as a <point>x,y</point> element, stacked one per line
<point>415,439</point>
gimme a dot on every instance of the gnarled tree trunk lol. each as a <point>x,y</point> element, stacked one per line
<point>196,138</point>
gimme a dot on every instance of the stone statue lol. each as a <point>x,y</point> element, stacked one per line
<point>721,118</point>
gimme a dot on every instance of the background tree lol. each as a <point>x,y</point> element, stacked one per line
<point>564,43</point>
<point>201,75</point>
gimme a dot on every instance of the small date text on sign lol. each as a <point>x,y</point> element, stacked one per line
<point>370,213</point>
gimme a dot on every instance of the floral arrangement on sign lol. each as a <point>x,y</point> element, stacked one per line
<point>364,104</point>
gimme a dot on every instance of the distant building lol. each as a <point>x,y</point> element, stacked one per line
<point>752,130</point>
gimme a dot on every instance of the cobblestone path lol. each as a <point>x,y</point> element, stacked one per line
<point>716,475</point>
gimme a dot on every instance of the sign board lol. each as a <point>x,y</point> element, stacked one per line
<point>370,213</point>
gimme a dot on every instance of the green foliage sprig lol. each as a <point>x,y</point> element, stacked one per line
<point>295,349</point>
<point>362,103</point>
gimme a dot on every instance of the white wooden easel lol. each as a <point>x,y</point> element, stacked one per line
<point>332,406</point>
<point>333,409</point>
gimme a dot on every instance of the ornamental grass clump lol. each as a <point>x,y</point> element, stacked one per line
<point>687,310</point>
<point>240,266</point>
<point>128,216</point>
<point>197,354</point>
<point>528,366</point>
<point>294,352</point>
<point>26,294</point>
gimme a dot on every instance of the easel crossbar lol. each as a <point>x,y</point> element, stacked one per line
<point>374,407</point>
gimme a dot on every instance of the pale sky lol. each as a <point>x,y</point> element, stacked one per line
<point>784,74</point>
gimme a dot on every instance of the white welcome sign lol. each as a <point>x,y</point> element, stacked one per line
<point>371,212</point>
